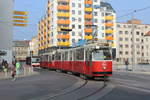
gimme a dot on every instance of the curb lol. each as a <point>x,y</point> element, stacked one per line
<point>19,76</point>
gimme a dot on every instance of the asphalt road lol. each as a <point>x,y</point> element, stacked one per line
<point>129,86</point>
<point>49,85</point>
<point>35,86</point>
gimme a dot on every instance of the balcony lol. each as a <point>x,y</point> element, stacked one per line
<point>88,16</point>
<point>67,43</point>
<point>88,9</point>
<point>63,22</point>
<point>88,1</point>
<point>62,7</point>
<point>88,37</point>
<point>109,38</point>
<point>89,23</point>
<point>109,18</point>
<point>88,30</point>
<point>109,31</point>
<point>63,0</point>
<point>109,24</point>
<point>60,14</point>
<point>61,36</point>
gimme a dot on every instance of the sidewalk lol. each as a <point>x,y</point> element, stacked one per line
<point>26,71</point>
<point>137,69</point>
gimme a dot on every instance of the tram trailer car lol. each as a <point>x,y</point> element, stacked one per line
<point>91,61</point>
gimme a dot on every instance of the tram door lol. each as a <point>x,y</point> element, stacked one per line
<point>71,59</point>
<point>88,61</point>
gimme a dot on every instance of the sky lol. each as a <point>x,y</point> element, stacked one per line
<point>36,10</point>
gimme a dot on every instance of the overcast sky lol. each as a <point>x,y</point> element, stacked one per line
<point>36,9</point>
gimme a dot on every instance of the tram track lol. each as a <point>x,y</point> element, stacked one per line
<point>77,87</point>
<point>81,83</point>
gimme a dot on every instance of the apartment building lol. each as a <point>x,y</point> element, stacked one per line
<point>21,50</point>
<point>34,46</point>
<point>68,21</point>
<point>133,42</point>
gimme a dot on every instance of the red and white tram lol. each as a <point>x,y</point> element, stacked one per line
<point>93,60</point>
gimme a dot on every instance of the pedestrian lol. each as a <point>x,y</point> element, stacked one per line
<point>5,67</point>
<point>126,63</point>
<point>17,67</point>
<point>13,73</point>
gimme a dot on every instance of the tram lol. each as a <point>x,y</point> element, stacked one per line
<point>92,60</point>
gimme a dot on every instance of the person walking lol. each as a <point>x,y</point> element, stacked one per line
<point>13,73</point>
<point>17,68</point>
<point>127,63</point>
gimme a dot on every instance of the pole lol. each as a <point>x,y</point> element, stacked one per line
<point>133,42</point>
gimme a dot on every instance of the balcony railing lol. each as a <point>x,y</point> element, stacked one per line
<point>88,37</point>
<point>63,22</point>
<point>60,14</point>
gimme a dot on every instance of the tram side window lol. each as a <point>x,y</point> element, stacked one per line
<point>88,56</point>
<point>58,56</point>
<point>63,56</point>
<point>70,56</point>
<point>66,56</point>
<point>80,54</point>
<point>53,57</point>
<point>50,58</point>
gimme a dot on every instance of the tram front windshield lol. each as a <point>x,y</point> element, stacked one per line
<point>102,54</point>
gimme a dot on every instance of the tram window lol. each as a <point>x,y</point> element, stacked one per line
<point>50,58</point>
<point>70,56</point>
<point>102,54</point>
<point>63,56</point>
<point>80,54</point>
<point>66,55</point>
<point>88,55</point>
<point>58,56</point>
<point>53,57</point>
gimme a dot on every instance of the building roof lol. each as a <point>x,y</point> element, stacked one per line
<point>147,34</point>
<point>21,43</point>
<point>108,6</point>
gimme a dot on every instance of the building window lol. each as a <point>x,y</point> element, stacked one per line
<point>95,20</point>
<point>121,46</point>
<point>73,33</point>
<point>120,32</point>
<point>120,39</point>
<point>73,11</point>
<point>79,5</point>
<point>137,33</point>
<point>126,52</point>
<point>126,46</point>
<point>126,32</point>
<point>126,39</point>
<point>79,19</point>
<point>137,39</point>
<point>120,52</point>
<point>73,26</point>
<point>79,12</point>
<point>95,13</point>
<point>79,26</point>
<point>73,4</point>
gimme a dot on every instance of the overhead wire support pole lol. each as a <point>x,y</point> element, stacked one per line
<point>133,41</point>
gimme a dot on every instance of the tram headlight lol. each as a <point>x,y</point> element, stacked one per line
<point>104,67</point>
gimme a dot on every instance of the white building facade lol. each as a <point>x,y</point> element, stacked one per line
<point>86,20</point>
<point>6,11</point>
<point>133,42</point>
